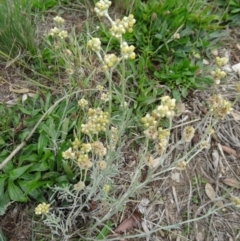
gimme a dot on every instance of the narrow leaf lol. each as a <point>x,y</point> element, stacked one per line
<point>65,126</point>
<point>105,231</point>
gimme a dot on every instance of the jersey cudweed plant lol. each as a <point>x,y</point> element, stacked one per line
<point>96,154</point>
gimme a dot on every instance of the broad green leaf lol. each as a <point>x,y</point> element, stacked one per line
<point>39,167</point>
<point>24,134</point>
<point>3,154</point>
<point>35,112</point>
<point>4,203</point>
<point>32,158</point>
<point>31,188</point>
<point>23,110</point>
<point>2,182</point>
<point>2,141</point>
<point>50,175</point>
<point>236,10</point>
<point>176,95</point>
<point>30,121</point>
<point>17,172</point>
<point>47,155</point>
<point>15,193</point>
<point>28,186</point>
<point>47,102</point>
<point>30,176</point>
<point>15,120</point>
<point>184,92</point>
<point>42,142</point>
<point>29,149</point>
<point>8,167</point>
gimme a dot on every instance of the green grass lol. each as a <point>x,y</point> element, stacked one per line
<point>229,11</point>
<point>17,32</point>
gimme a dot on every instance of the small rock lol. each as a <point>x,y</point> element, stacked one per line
<point>214,52</point>
<point>206,62</point>
<point>175,176</point>
<point>236,68</point>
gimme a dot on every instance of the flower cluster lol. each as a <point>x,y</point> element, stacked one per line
<point>113,137</point>
<point>79,186</point>
<point>63,34</point>
<point>58,20</point>
<point>151,162</point>
<point>161,146</point>
<point>151,133</point>
<point>221,61</point>
<point>94,44</point>
<point>54,31</point>
<point>220,107</point>
<point>101,165</point>
<point>163,135</point>
<point>59,44</point>
<point>119,27</point>
<point>166,109</point>
<point>42,208</point>
<point>188,133</point>
<point>58,31</point>
<point>83,161</point>
<point>82,103</point>
<point>69,154</point>
<point>150,122</point>
<point>238,88</point>
<point>81,153</point>
<point>109,61</point>
<point>97,121</point>
<point>85,147</point>
<point>106,188</point>
<point>98,148</point>
<point>101,7</point>
<point>181,165</point>
<point>204,145</point>
<point>67,52</point>
<point>100,88</point>
<point>127,51</point>
<point>76,143</point>
<point>236,201</point>
<point>217,75</point>
<point>176,36</point>
<point>105,96</point>
<point>70,71</point>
